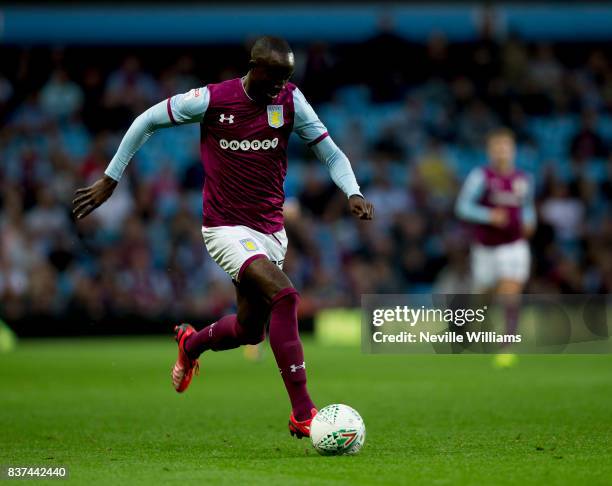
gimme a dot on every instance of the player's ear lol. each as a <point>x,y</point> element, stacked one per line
<point>252,64</point>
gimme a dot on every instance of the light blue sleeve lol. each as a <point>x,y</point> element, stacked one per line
<point>189,107</point>
<point>306,123</point>
<point>467,206</point>
<point>183,108</point>
<point>528,212</point>
<point>338,165</point>
<point>309,128</point>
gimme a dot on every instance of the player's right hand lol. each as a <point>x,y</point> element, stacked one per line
<point>499,217</point>
<point>89,198</point>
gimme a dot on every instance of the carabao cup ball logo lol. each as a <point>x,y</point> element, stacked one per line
<point>246,145</point>
<point>336,430</point>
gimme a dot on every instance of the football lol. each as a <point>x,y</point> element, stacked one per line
<point>336,430</point>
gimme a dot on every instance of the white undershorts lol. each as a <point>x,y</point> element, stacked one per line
<point>234,247</point>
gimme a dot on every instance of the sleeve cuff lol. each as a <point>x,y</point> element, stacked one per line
<point>113,175</point>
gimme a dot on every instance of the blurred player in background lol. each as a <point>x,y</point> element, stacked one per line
<point>245,127</point>
<point>498,200</point>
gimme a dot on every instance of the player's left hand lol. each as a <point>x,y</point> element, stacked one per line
<point>360,208</point>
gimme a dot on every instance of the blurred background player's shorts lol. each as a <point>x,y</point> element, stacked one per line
<point>231,246</point>
<point>490,264</point>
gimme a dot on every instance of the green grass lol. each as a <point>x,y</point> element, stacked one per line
<point>106,409</point>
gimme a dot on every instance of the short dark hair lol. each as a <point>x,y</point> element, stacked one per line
<point>500,132</point>
<point>266,44</point>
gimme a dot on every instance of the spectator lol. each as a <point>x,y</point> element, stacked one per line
<point>545,71</point>
<point>564,213</point>
<point>587,143</point>
<point>61,97</point>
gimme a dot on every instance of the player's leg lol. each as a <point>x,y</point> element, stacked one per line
<point>513,262</point>
<point>483,269</point>
<point>509,287</point>
<point>232,248</point>
<point>485,277</point>
<point>508,293</point>
<point>235,248</point>
<point>254,313</point>
<point>278,293</point>
<point>231,331</point>
<point>247,326</point>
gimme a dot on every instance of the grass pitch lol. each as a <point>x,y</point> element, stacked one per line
<point>106,409</point>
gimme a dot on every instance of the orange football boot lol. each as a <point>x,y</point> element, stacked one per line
<point>183,369</point>
<point>301,429</point>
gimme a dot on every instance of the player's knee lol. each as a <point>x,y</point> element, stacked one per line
<point>252,336</point>
<point>266,278</point>
<point>509,287</point>
<point>287,295</point>
<point>252,331</point>
<point>254,318</point>
<point>279,290</point>
<point>255,337</point>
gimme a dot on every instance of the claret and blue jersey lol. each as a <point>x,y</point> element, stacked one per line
<point>244,149</point>
<point>485,189</point>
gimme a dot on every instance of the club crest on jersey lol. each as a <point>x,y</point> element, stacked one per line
<point>275,116</point>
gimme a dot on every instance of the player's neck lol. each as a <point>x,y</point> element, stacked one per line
<point>502,171</point>
<point>246,85</point>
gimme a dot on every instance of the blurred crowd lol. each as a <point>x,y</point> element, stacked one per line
<point>412,119</point>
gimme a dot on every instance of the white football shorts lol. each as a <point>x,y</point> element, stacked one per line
<point>490,264</point>
<point>233,247</point>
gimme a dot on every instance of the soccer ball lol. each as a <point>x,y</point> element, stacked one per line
<point>337,429</point>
